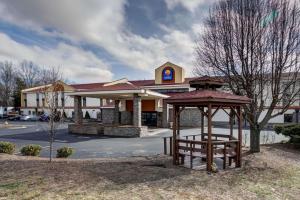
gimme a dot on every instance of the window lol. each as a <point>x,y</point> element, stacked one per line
<point>25,102</point>
<point>63,99</point>
<point>43,102</point>
<point>56,99</point>
<point>37,100</point>
<point>164,91</point>
<point>288,118</point>
<point>84,101</point>
<point>287,94</point>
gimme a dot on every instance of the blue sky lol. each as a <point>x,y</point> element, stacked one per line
<point>100,40</point>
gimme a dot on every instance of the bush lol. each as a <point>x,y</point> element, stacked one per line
<point>87,115</point>
<point>31,150</point>
<point>64,152</point>
<point>278,129</point>
<point>7,147</point>
<point>291,130</point>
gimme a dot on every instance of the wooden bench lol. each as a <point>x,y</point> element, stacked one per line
<point>197,149</point>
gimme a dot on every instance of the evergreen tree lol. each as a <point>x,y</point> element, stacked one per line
<point>19,86</point>
<point>87,115</point>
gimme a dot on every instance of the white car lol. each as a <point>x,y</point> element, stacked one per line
<point>29,118</point>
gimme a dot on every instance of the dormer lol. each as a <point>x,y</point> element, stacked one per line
<point>169,73</point>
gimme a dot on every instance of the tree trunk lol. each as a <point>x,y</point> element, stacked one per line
<point>254,139</point>
<point>51,144</point>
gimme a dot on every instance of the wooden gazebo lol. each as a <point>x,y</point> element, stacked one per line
<point>209,100</point>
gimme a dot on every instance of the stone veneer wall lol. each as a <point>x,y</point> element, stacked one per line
<point>125,131</point>
<point>189,117</point>
<point>108,130</point>
<point>107,115</point>
<point>86,128</point>
<point>126,118</point>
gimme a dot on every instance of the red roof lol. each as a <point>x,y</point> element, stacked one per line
<point>119,86</point>
<point>207,95</point>
<point>136,84</point>
<point>87,86</point>
<point>139,83</point>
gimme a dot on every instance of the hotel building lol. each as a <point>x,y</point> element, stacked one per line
<point>125,102</point>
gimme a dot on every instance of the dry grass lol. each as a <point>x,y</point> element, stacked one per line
<point>272,174</point>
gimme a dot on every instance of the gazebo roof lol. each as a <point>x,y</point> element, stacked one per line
<point>207,96</point>
<point>207,82</point>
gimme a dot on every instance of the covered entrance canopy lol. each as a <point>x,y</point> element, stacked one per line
<point>117,91</point>
<point>210,145</point>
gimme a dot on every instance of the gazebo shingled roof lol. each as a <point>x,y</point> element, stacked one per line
<point>206,92</point>
<point>207,96</point>
<point>206,82</point>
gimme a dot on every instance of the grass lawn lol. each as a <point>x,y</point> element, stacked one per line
<point>272,174</point>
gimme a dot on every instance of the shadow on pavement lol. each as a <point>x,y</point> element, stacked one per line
<point>62,136</point>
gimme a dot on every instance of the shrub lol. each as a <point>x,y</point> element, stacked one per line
<point>7,147</point>
<point>64,152</point>
<point>291,130</point>
<point>31,150</point>
<point>87,115</point>
<point>278,129</point>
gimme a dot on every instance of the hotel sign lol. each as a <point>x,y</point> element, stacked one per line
<point>168,74</point>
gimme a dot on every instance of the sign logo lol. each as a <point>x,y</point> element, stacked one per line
<point>168,74</point>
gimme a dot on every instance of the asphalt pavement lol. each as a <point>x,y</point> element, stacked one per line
<point>23,133</point>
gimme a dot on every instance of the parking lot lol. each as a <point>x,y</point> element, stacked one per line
<point>23,133</point>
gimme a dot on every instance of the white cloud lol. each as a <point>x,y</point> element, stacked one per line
<point>191,5</point>
<point>75,63</point>
<point>102,23</point>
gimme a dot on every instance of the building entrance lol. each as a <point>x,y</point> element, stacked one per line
<point>149,118</point>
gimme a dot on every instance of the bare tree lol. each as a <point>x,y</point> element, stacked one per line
<point>50,75</point>
<point>7,80</point>
<point>255,46</point>
<point>51,91</point>
<point>29,73</point>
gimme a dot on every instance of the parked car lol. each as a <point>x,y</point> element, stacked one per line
<point>44,118</point>
<point>29,118</point>
<point>15,118</point>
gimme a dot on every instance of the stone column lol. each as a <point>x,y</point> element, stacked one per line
<point>101,105</point>
<point>165,115</point>
<point>137,111</point>
<point>117,112</point>
<point>77,110</point>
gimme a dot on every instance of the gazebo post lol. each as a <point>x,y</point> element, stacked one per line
<point>174,134</point>
<point>231,115</point>
<point>209,143</point>
<point>239,154</point>
<point>202,123</point>
<point>178,122</point>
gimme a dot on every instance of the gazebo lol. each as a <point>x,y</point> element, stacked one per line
<point>209,145</point>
